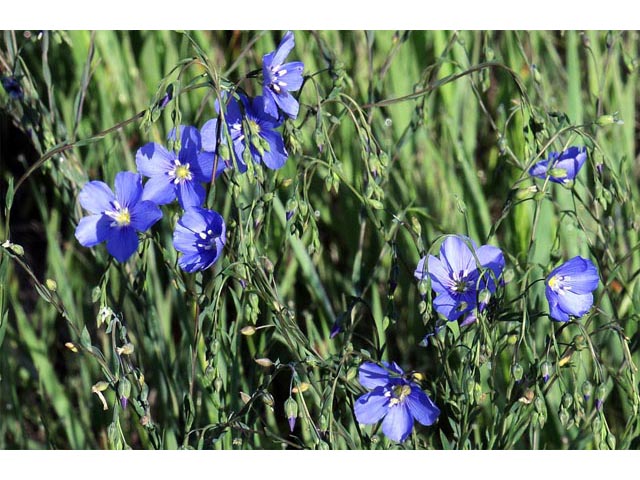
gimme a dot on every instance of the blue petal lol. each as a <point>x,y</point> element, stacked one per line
<point>190,194</point>
<point>555,312</point>
<point>371,407</point>
<point>539,170</point>
<point>571,160</point>
<point>398,423</point>
<point>492,258</point>
<point>286,45</point>
<point>194,262</point>
<point>371,375</point>
<point>293,78</point>
<point>452,308</point>
<point>456,253</point>
<point>153,159</point>
<point>159,189</point>
<point>122,242</point>
<point>96,197</point>
<point>144,214</point>
<point>203,168</point>
<point>573,304</point>
<point>209,135</point>
<point>93,230</point>
<point>421,270</point>
<point>580,275</point>
<point>277,156</point>
<point>269,102</point>
<point>287,103</point>
<point>128,186</point>
<point>440,276</point>
<point>421,407</point>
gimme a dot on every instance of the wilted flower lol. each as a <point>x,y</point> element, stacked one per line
<point>116,218</point>
<point>172,175</point>
<point>569,288</point>
<point>560,167</point>
<point>395,399</point>
<point>280,79</point>
<point>200,235</point>
<point>457,278</point>
<point>12,87</point>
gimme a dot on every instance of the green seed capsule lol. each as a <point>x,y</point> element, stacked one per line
<point>567,400</point>
<point>517,371</point>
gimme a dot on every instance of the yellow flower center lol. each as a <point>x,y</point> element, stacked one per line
<point>400,392</point>
<point>553,281</point>
<point>183,172</point>
<point>122,217</point>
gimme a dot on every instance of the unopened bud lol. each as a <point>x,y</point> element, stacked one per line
<point>415,225</point>
<point>268,400</point>
<point>517,371</point>
<point>601,393</point>
<point>248,330</point>
<point>567,400</point>
<point>264,362</point>
<point>291,412</point>
<point>217,384</point>
<point>545,370</point>
<point>587,389</point>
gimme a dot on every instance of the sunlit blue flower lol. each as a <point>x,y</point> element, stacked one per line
<point>12,87</point>
<point>172,175</point>
<point>459,275</point>
<point>258,130</point>
<point>280,79</point>
<point>569,288</point>
<point>560,167</point>
<point>200,235</point>
<point>393,398</point>
<point>116,218</point>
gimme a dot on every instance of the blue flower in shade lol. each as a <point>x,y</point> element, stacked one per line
<point>12,87</point>
<point>560,167</point>
<point>460,274</point>
<point>280,79</point>
<point>200,235</point>
<point>393,398</point>
<point>569,288</point>
<point>172,175</point>
<point>258,130</point>
<point>210,146</point>
<point>116,218</point>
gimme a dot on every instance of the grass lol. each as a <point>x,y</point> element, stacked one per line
<point>403,137</point>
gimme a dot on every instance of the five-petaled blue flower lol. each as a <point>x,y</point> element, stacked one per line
<point>459,275</point>
<point>12,87</point>
<point>258,130</point>
<point>280,79</point>
<point>172,175</point>
<point>569,288</point>
<point>116,218</point>
<point>200,235</point>
<point>560,167</point>
<point>392,397</point>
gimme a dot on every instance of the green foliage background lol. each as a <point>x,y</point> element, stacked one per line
<point>403,137</point>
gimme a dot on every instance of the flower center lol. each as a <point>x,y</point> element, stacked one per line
<point>275,84</point>
<point>399,393</point>
<point>254,128</point>
<point>459,282</point>
<point>557,283</point>
<point>121,215</point>
<point>181,173</point>
<point>207,240</point>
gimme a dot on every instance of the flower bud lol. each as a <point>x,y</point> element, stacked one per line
<point>264,362</point>
<point>587,390</point>
<point>517,371</point>
<point>291,412</point>
<point>244,397</point>
<point>267,398</point>
<point>248,330</point>
<point>545,370</point>
<point>601,393</point>
<point>217,384</point>
<point>51,284</point>
<point>567,400</point>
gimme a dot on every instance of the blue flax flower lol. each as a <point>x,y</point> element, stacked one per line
<point>560,167</point>
<point>211,146</point>
<point>569,288</point>
<point>172,175</point>
<point>280,79</point>
<point>116,218</point>
<point>258,130</point>
<point>393,398</point>
<point>200,235</point>
<point>457,278</point>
